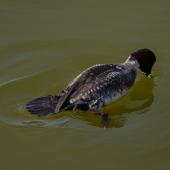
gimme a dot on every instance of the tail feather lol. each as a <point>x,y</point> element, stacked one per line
<point>43,106</point>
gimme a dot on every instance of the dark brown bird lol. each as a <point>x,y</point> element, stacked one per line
<point>96,87</point>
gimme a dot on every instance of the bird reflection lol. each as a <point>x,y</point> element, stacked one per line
<point>137,101</point>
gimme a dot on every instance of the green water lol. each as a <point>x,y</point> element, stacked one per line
<point>43,45</point>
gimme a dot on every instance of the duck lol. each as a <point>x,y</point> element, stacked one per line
<point>96,87</point>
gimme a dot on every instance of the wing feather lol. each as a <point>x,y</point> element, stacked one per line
<point>84,82</point>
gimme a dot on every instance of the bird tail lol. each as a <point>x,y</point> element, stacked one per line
<point>43,106</point>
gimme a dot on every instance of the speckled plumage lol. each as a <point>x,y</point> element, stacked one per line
<point>97,86</point>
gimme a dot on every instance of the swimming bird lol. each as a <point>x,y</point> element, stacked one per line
<point>96,87</point>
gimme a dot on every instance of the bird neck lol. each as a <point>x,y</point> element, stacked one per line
<point>131,63</point>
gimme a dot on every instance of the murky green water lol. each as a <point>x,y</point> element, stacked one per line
<point>43,45</point>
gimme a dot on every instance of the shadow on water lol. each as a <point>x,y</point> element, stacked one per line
<point>137,101</point>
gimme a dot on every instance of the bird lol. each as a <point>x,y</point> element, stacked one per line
<point>96,87</point>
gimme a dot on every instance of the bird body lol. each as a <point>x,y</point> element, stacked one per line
<point>92,89</point>
<point>99,85</point>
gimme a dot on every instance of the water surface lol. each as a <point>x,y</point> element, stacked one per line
<point>43,45</point>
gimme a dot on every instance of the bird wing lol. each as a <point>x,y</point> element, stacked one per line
<point>85,81</point>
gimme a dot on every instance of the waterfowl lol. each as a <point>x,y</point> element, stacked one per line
<point>96,86</point>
